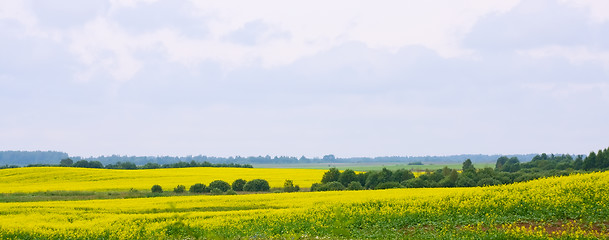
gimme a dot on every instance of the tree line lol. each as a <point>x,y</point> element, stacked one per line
<point>507,170</point>
<point>218,187</point>
<point>67,162</point>
<point>24,158</point>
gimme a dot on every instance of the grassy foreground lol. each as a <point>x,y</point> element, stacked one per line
<point>563,207</point>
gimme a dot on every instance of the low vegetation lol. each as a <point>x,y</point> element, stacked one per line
<point>506,171</point>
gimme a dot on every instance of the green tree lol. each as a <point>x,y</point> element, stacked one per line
<point>464,181</point>
<point>401,175</point>
<point>288,186</point>
<point>219,184</point>
<point>468,166</point>
<point>238,184</point>
<point>501,160</point>
<point>216,191</point>
<point>257,185</point>
<point>387,185</point>
<point>179,189</point>
<point>66,162</point>
<point>578,163</point>
<point>347,176</point>
<point>415,183</point>
<point>335,186</point>
<point>156,189</point>
<point>95,164</point>
<point>151,166</point>
<point>197,188</point>
<point>590,161</point>
<point>488,182</point>
<point>385,175</point>
<point>330,176</point>
<point>355,185</point>
<point>81,164</point>
<point>374,178</point>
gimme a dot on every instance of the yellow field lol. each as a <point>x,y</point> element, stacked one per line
<point>37,179</point>
<point>575,203</point>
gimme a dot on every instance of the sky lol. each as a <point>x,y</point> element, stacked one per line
<point>293,78</point>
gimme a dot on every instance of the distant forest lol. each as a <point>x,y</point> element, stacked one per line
<point>25,158</point>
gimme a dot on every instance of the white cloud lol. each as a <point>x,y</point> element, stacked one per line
<point>319,25</point>
<point>17,10</point>
<point>104,46</point>
<point>599,9</point>
<point>579,55</point>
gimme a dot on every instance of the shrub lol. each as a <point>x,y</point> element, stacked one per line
<point>401,175</point>
<point>488,182</point>
<point>330,176</point>
<point>347,177</point>
<point>231,192</point>
<point>288,186</point>
<point>238,184</point>
<point>157,189</point>
<point>179,189</point>
<point>257,185</point>
<point>387,185</point>
<point>415,183</point>
<point>446,182</point>
<point>317,187</point>
<point>335,186</point>
<point>355,186</point>
<point>216,191</point>
<point>197,188</point>
<point>463,181</point>
<point>219,184</point>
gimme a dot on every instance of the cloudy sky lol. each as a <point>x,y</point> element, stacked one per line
<point>352,78</point>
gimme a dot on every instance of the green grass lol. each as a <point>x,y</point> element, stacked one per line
<point>372,166</point>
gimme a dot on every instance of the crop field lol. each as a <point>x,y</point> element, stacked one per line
<point>571,207</point>
<point>87,179</point>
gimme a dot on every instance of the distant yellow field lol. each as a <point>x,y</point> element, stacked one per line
<point>86,179</point>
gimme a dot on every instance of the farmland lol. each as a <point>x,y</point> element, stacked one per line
<point>573,206</point>
<point>86,179</point>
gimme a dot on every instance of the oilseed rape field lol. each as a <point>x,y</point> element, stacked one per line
<point>38,179</point>
<point>569,207</point>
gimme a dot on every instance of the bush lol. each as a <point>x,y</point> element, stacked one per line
<point>257,185</point>
<point>415,183</point>
<point>238,184</point>
<point>219,184</point>
<point>387,185</point>
<point>335,186</point>
<point>317,187</point>
<point>216,191</point>
<point>288,186</point>
<point>347,177</point>
<point>463,181</point>
<point>330,176</point>
<point>231,192</point>
<point>157,189</point>
<point>446,182</point>
<point>355,186</point>
<point>179,189</point>
<point>197,188</point>
<point>488,182</point>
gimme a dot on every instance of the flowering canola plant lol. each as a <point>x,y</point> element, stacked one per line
<point>38,179</point>
<point>571,207</point>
